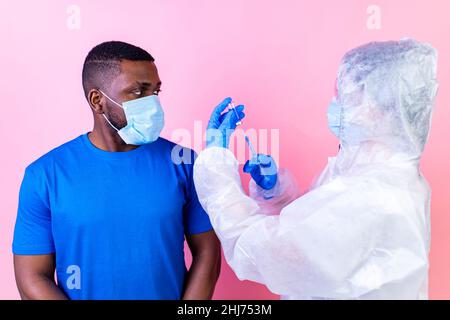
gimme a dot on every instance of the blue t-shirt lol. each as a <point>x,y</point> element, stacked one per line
<point>116,221</point>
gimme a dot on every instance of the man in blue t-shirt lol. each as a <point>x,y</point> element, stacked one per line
<point>109,210</point>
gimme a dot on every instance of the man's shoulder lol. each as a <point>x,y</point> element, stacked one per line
<point>177,152</point>
<point>58,153</point>
<point>170,144</point>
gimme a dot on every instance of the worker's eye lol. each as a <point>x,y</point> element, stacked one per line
<point>157,91</point>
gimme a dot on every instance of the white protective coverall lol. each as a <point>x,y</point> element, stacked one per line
<point>363,230</point>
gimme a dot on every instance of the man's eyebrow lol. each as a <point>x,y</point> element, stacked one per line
<point>147,84</point>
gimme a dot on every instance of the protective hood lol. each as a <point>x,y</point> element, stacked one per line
<point>386,91</point>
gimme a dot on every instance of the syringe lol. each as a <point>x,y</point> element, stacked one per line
<point>232,106</point>
<point>250,145</point>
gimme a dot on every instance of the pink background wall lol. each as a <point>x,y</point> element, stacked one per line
<point>278,57</point>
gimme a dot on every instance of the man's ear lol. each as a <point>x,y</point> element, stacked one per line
<point>95,99</point>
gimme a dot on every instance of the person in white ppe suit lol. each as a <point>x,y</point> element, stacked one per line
<point>363,230</point>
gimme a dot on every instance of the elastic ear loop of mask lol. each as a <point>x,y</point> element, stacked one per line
<point>104,114</point>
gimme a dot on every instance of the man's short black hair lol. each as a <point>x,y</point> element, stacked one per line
<point>102,63</point>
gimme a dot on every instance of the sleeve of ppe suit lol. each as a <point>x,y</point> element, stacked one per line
<point>235,215</point>
<point>243,227</point>
<point>231,211</point>
<point>321,245</point>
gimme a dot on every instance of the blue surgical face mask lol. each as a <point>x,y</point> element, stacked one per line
<point>334,117</point>
<point>145,119</point>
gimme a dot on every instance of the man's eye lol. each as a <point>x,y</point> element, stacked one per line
<point>137,92</point>
<point>157,91</point>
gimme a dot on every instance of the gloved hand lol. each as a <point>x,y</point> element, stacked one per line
<point>263,170</point>
<point>221,125</point>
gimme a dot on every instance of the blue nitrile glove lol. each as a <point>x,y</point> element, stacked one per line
<point>221,125</point>
<point>263,170</point>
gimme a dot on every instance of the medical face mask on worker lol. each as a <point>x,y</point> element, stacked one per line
<point>145,119</point>
<point>334,117</point>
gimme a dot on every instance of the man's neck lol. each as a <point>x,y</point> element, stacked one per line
<point>106,140</point>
